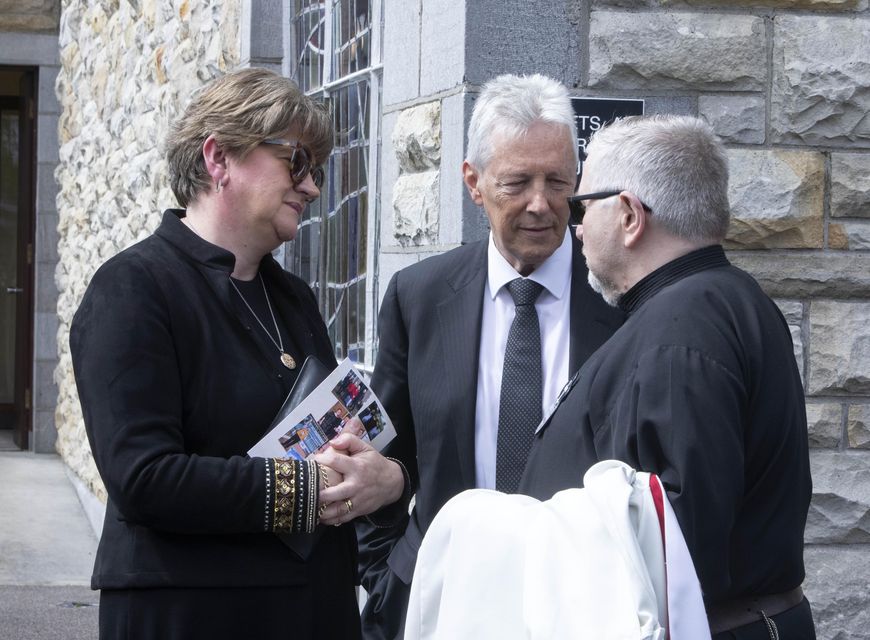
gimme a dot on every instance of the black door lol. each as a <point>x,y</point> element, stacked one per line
<point>17,141</point>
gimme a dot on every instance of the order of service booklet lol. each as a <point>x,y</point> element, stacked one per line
<point>324,413</point>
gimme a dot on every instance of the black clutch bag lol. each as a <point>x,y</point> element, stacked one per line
<point>312,373</point>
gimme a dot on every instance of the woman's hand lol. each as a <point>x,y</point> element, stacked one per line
<point>329,477</point>
<point>369,480</point>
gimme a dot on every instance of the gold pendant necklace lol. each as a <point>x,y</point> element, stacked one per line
<point>286,359</point>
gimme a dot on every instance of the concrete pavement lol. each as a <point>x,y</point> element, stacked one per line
<point>47,549</point>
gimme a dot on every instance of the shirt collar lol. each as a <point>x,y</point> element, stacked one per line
<point>178,234</point>
<point>691,263</point>
<point>554,274</point>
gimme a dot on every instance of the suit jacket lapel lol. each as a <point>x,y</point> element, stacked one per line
<point>459,322</point>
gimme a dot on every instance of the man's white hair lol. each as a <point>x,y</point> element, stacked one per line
<point>509,105</point>
<point>676,165</point>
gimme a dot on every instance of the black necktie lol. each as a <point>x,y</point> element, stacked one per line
<point>519,409</point>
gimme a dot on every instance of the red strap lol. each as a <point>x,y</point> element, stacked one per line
<point>658,496</point>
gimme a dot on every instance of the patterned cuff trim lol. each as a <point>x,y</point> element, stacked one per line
<point>269,482</point>
<point>285,494</point>
<point>296,495</point>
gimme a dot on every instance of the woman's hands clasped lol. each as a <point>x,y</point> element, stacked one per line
<point>368,480</point>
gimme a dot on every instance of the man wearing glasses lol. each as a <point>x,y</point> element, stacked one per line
<point>700,384</point>
<point>467,363</point>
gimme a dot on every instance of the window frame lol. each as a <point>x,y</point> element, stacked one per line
<point>328,87</point>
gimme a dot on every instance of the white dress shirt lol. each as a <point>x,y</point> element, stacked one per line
<point>553,307</point>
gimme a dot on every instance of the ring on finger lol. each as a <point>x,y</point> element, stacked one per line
<point>349,504</point>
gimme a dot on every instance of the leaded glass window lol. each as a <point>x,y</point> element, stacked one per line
<point>308,28</point>
<point>335,60</point>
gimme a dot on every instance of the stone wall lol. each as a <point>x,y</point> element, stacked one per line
<point>31,16</point>
<point>127,68</point>
<point>787,85</point>
<point>417,141</point>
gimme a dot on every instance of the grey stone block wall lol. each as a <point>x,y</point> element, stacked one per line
<point>737,118</point>
<point>32,16</point>
<point>670,50</point>
<point>836,586</point>
<point>786,84</point>
<point>442,44</point>
<point>470,222</point>
<point>44,433</point>
<point>402,34</point>
<point>517,36</point>
<point>850,185</point>
<point>820,93</point>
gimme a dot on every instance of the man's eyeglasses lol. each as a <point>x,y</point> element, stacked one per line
<point>301,162</point>
<point>578,209</point>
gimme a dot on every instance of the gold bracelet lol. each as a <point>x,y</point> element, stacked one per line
<point>313,489</point>
<point>324,474</point>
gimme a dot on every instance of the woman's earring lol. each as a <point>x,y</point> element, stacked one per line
<point>218,185</point>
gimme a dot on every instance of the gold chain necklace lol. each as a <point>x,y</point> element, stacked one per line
<point>286,359</point>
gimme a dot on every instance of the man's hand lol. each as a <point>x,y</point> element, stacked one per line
<point>370,481</point>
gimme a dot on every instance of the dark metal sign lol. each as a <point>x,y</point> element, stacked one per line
<point>593,113</point>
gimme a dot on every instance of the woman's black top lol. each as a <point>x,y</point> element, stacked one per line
<point>175,386</point>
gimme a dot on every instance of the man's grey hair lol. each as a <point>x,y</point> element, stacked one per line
<point>676,165</point>
<point>509,105</point>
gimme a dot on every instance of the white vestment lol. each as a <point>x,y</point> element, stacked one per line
<point>588,563</point>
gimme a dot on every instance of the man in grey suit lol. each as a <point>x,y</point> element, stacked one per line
<point>444,331</point>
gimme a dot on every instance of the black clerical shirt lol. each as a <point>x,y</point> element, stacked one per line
<point>701,387</point>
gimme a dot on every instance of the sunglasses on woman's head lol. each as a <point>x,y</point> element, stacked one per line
<point>301,162</point>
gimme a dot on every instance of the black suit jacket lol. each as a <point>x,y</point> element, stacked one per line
<point>426,377</point>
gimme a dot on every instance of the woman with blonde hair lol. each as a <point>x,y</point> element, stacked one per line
<point>184,347</point>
